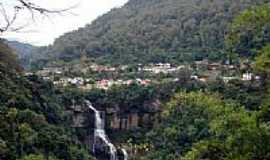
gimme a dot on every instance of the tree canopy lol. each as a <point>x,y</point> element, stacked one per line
<point>199,125</point>
<point>249,31</point>
<point>32,119</point>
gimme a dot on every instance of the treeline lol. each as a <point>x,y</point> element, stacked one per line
<point>173,31</point>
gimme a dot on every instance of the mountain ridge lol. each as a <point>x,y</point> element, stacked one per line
<point>175,31</point>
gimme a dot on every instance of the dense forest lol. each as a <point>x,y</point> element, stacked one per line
<point>175,31</point>
<point>33,124</point>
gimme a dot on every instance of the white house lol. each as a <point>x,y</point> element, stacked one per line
<point>247,76</point>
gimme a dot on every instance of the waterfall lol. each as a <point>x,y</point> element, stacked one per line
<point>125,154</point>
<point>100,133</point>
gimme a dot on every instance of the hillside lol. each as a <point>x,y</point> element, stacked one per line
<point>150,31</point>
<point>23,50</point>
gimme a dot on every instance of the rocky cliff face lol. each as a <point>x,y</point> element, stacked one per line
<point>115,118</point>
<point>83,119</point>
<point>134,119</point>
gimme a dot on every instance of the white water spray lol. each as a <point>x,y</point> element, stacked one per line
<point>100,133</point>
<point>125,154</point>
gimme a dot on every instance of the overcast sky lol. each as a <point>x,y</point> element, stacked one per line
<point>44,30</point>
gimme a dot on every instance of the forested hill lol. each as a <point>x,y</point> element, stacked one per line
<point>23,50</point>
<point>151,31</point>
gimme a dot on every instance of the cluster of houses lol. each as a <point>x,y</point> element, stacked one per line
<point>101,68</point>
<point>70,81</point>
<point>106,84</point>
<point>202,71</point>
<point>86,84</point>
<point>160,68</point>
<point>206,69</point>
<point>153,68</point>
<point>211,71</point>
<point>48,71</point>
<point>247,76</point>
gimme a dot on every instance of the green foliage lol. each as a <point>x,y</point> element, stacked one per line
<point>249,35</point>
<point>33,157</point>
<point>263,60</point>
<point>246,143</point>
<point>185,121</point>
<point>32,119</point>
<point>199,125</point>
<point>128,98</point>
<point>78,154</point>
<point>249,31</point>
<point>248,94</point>
<point>37,157</point>
<point>8,58</point>
<point>212,150</point>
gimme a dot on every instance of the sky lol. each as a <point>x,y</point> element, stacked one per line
<point>44,30</point>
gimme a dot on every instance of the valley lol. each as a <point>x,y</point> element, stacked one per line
<point>151,80</point>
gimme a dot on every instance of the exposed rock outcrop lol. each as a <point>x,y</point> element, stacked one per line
<point>116,120</point>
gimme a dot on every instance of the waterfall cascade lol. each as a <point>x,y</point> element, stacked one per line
<point>99,132</point>
<point>125,154</point>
